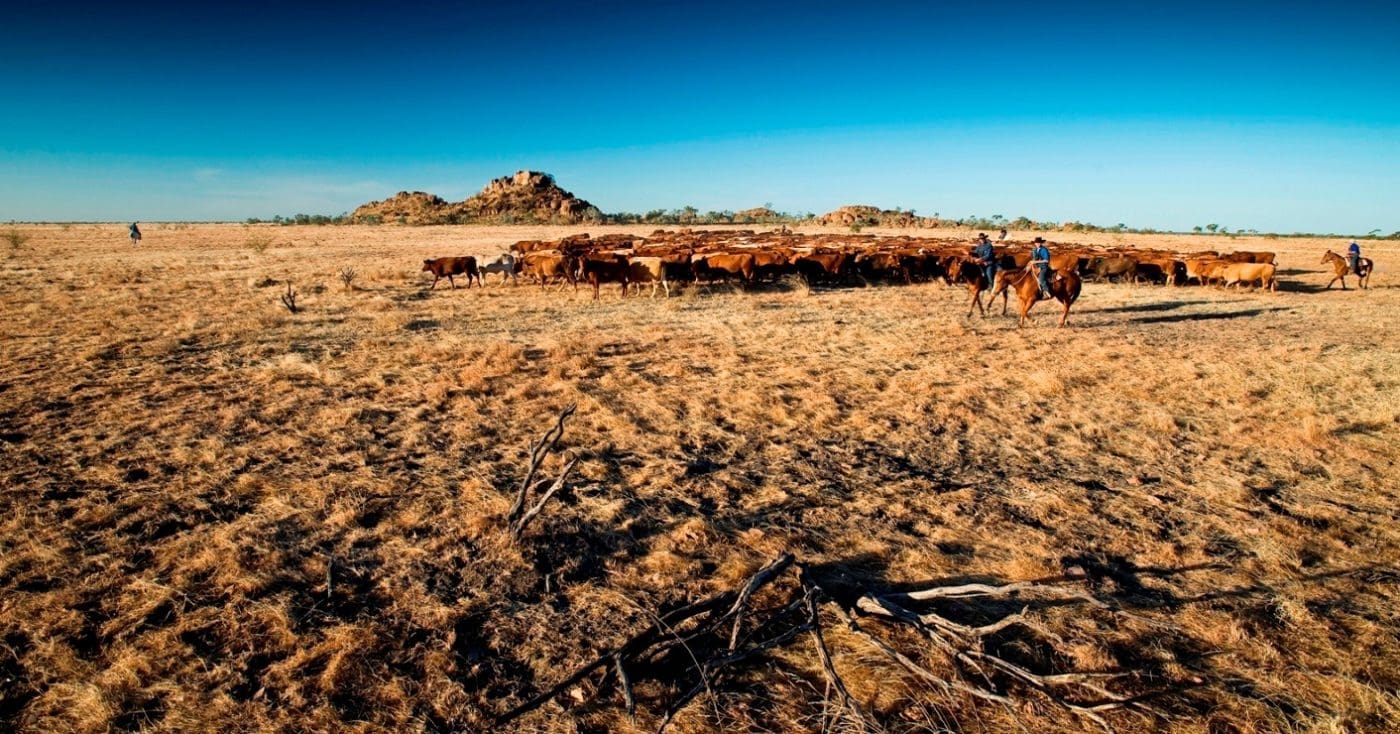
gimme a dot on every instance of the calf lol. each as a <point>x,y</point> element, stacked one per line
<point>503,264</point>
<point>446,267</point>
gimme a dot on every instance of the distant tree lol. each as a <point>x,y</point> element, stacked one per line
<point>1212,227</point>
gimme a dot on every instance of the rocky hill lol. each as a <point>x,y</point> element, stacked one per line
<point>409,207</point>
<point>870,216</point>
<point>528,196</point>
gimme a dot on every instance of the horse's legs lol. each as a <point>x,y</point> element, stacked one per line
<point>1065,316</point>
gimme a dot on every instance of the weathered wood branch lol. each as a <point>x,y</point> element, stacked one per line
<point>519,528</point>
<point>541,449</point>
<point>700,646</point>
<point>642,650</point>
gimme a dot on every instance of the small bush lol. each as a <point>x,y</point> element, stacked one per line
<point>347,276</point>
<point>855,228</point>
<point>15,239</point>
<point>259,244</point>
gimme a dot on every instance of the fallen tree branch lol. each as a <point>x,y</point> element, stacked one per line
<point>647,650</point>
<point>519,528</point>
<point>700,646</point>
<point>541,449</point>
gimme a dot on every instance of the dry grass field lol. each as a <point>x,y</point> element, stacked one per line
<point>218,515</point>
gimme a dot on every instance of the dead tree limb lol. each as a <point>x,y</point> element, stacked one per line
<point>519,528</point>
<point>517,517</point>
<point>833,678</point>
<point>700,646</point>
<point>541,449</point>
<point>706,651</point>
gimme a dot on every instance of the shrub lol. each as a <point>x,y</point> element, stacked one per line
<point>15,239</point>
<point>259,244</point>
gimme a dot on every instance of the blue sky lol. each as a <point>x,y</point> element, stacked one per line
<point>1274,116</point>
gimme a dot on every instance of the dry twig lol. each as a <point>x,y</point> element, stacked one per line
<point>289,299</point>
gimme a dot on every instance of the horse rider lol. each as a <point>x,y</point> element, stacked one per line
<point>1354,257</point>
<point>1040,259</point>
<point>135,233</point>
<point>985,256</point>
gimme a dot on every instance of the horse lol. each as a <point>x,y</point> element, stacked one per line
<point>1065,288</point>
<point>975,276</point>
<point>1341,269</point>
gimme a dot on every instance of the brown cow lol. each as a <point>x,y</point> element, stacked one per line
<point>722,265</point>
<point>817,266</point>
<point>1165,270</point>
<point>771,264</point>
<point>446,267</point>
<point>1237,274</point>
<point>1196,267</point>
<point>546,266</point>
<point>881,266</point>
<point>1108,267</point>
<point>648,270</point>
<point>600,268</point>
<point>1263,258</point>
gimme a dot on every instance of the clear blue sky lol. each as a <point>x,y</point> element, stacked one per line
<point>1280,116</point>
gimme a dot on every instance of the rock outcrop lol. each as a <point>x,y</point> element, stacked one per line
<point>528,196</point>
<point>408,207</point>
<point>871,216</point>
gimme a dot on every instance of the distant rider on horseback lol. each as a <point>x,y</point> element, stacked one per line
<point>986,257</point>
<point>1354,257</point>
<point>1040,260</point>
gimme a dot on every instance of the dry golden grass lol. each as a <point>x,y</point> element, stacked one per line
<point>220,515</point>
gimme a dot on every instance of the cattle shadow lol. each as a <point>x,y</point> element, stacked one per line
<point>1214,316</point>
<point>1148,307</point>
<point>1295,286</point>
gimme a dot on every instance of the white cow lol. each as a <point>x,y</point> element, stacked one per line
<point>503,264</point>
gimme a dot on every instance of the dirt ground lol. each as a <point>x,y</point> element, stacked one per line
<point>218,515</point>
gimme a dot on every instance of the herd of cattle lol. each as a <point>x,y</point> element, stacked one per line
<point>668,258</point>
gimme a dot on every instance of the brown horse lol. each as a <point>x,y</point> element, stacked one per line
<point>975,276</point>
<point>1341,269</point>
<point>1064,287</point>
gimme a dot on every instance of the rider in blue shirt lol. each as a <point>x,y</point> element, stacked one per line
<point>986,257</point>
<point>1354,257</point>
<point>1040,258</point>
